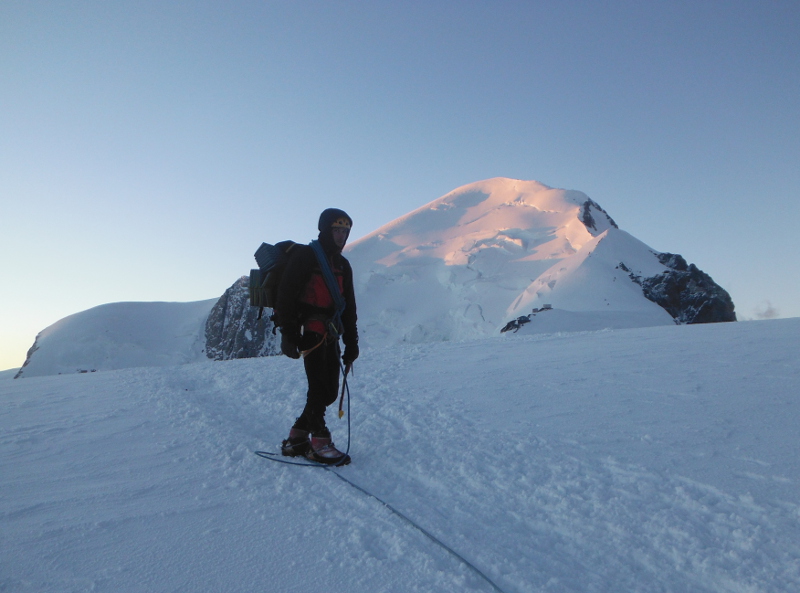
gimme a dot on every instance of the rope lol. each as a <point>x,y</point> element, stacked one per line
<point>305,353</point>
<point>424,532</point>
<point>279,457</point>
<point>331,283</point>
<point>346,387</point>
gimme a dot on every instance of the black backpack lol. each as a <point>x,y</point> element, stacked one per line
<point>264,281</point>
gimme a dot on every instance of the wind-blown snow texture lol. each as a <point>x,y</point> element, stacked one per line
<point>662,459</point>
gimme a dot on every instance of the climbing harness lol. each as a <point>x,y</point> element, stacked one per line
<point>305,353</point>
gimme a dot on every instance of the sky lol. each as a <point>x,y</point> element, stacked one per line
<point>148,148</point>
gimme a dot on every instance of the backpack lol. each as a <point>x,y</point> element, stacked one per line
<point>264,280</point>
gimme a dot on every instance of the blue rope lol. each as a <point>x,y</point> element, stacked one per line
<point>346,387</point>
<point>332,284</point>
<point>423,531</point>
<point>279,457</point>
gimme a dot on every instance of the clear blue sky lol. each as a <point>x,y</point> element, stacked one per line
<point>147,148</point>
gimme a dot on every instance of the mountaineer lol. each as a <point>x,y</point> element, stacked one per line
<point>312,320</point>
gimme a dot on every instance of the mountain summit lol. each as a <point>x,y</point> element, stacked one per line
<point>489,252</point>
<point>500,254</point>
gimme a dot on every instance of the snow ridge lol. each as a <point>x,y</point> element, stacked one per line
<point>463,265</point>
<point>118,336</point>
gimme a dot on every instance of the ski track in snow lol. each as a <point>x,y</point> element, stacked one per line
<point>660,459</point>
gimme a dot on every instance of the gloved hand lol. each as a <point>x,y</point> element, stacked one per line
<point>350,353</point>
<point>289,345</point>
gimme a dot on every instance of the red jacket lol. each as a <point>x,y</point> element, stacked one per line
<point>304,299</point>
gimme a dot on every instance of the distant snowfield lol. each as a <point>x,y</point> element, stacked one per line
<point>640,460</point>
<point>120,336</point>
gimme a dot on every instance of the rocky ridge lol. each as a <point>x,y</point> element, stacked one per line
<point>686,292</point>
<point>233,329</point>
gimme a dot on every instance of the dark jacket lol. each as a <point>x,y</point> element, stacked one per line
<point>304,296</point>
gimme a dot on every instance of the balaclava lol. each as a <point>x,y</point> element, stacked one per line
<point>329,219</point>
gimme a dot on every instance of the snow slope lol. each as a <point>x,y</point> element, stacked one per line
<point>463,265</point>
<point>661,459</point>
<point>119,336</point>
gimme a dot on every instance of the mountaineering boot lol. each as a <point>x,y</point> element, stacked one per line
<point>296,444</point>
<point>324,451</point>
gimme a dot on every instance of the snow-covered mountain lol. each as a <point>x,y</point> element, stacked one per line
<point>465,264</point>
<point>461,267</point>
<point>125,335</point>
<point>119,336</point>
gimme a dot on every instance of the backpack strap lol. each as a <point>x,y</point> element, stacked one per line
<point>330,281</point>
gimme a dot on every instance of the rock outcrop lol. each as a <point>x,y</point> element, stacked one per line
<point>233,329</point>
<point>686,292</point>
<point>588,220</point>
<point>31,350</point>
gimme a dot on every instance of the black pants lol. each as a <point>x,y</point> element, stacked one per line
<point>322,371</point>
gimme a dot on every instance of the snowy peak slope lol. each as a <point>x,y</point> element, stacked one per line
<point>118,336</point>
<point>460,266</point>
<point>497,213</point>
<point>601,267</point>
<point>125,335</point>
